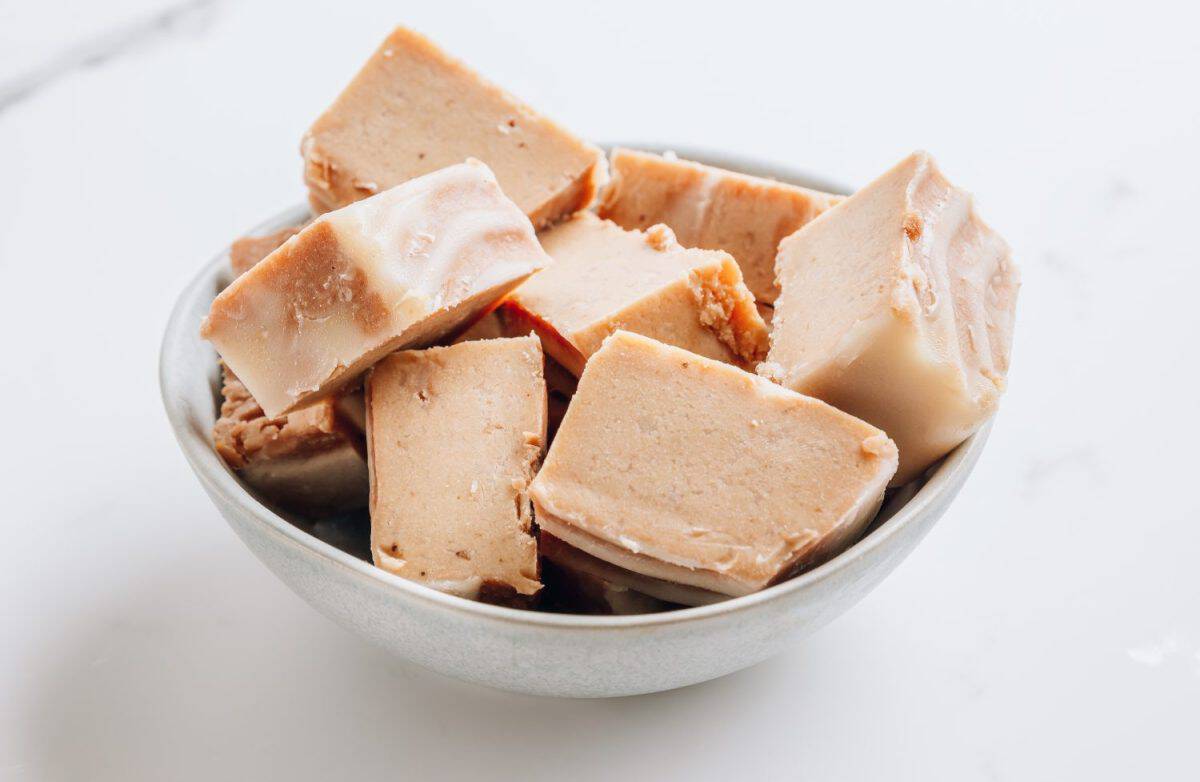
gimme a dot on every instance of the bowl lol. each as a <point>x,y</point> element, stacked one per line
<point>524,651</point>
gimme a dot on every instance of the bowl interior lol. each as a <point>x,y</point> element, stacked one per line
<point>191,382</point>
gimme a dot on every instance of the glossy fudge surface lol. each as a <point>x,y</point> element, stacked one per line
<point>413,109</point>
<point>455,435</point>
<point>712,208</point>
<point>898,307</point>
<point>692,471</point>
<point>605,278</point>
<point>407,267</point>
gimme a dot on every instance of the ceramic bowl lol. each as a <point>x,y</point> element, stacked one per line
<point>525,651</point>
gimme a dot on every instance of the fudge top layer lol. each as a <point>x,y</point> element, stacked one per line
<point>413,109</point>
<point>668,456</point>
<point>400,268</point>
<point>603,274</point>
<point>713,208</point>
<point>909,246</point>
<point>454,436</point>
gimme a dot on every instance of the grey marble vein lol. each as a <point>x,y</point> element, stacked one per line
<point>186,17</point>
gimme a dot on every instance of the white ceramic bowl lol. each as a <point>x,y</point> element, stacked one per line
<point>524,651</point>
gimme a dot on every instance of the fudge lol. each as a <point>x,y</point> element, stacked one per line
<point>454,436</point>
<point>249,250</point>
<point>413,109</point>
<point>692,471</point>
<point>605,278</point>
<point>312,461</point>
<point>606,588</point>
<point>404,268</point>
<point>712,208</point>
<point>898,307</point>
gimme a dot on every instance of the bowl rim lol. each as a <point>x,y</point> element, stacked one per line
<point>216,475</point>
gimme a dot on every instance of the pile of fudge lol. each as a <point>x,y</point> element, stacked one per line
<point>563,381</point>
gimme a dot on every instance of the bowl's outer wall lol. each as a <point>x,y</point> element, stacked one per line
<point>523,651</point>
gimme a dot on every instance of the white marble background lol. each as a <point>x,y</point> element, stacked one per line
<point>1049,627</point>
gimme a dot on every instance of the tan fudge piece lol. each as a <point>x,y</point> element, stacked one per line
<point>249,250</point>
<point>311,461</point>
<point>689,470</point>
<point>404,268</point>
<point>605,278</point>
<point>898,307</point>
<point>712,208</point>
<point>413,109</point>
<point>454,435</point>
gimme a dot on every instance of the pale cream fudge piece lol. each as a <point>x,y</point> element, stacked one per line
<point>691,471</point>
<point>454,436</point>
<point>249,250</point>
<point>312,461</point>
<point>413,109</point>
<point>605,278</point>
<point>604,585</point>
<point>898,307</point>
<point>405,268</point>
<point>712,208</point>
<point>488,327</point>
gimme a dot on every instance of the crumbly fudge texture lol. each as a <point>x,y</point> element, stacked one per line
<point>311,461</point>
<point>605,278</point>
<point>407,267</point>
<point>454,436</point>
<point>413,109</point>
<point>692,471</point>
<point>898,307</point>
<point>712,208</point>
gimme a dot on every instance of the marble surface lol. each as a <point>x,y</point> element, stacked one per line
<point>1048,628</point>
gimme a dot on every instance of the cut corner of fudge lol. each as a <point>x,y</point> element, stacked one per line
<point>711,208</point>
<point>897,306</point>
<point>774,482</point>
<point>412,108</point>
<point>404,268</point>
<point>604,278</point>
<point>311,461</point>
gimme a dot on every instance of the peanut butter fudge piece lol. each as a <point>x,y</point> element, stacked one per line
<point>605,278</point>
<point>898,307</point>
<point>404,268</point>
<point>249,250</point>
<point>312,461</point>
<point>712,208</point>
<point>454,435</point>
<point>413,109</point>
<point>692,471</point>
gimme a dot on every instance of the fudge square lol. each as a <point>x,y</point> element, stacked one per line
<point>454,436</point>
<point>312,461</point>
<point>898,307</point>
<point>413,109</point>
<point>604,278</point>
<point>692,471</point>
<point>712,208</point>
<point>404,268</point>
